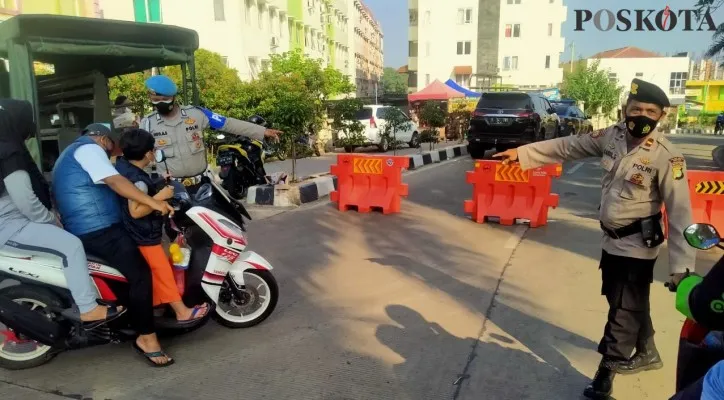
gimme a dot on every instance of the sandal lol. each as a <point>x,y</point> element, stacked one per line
<point>111,315</point>
<point>153,354</point>
<point>203,307</point>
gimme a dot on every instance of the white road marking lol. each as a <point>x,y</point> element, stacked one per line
<point>516,237</point>
<point>575,168</point>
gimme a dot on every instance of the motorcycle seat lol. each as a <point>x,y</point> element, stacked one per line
<point>96,259</point>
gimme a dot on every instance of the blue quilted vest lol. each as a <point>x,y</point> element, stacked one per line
<point>84,207</point>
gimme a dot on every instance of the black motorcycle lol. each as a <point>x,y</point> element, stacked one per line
<point>241,161</point>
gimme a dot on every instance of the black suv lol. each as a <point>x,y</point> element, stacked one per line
<point>506,120</point>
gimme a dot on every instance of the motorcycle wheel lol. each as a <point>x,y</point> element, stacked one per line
<point>262,304</point>
<point>281,154</point>
<point>17,353</point>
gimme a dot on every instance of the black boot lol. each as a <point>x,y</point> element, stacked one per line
<point>646,359</point>
<point>602,385</point>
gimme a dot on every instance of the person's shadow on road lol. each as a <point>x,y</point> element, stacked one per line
<point>440,365</point>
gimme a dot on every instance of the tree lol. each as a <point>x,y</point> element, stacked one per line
<point>432,117</point>
<point>701,7</point>
<point>593,87</point>
<point>393,82</point>
<point>395,121</point>
<point>219,86</point>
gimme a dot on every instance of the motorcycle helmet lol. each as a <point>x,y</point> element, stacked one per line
<point>257,120</point>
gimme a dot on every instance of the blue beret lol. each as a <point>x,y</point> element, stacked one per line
<point>161,85</point>
<point>647,92</point>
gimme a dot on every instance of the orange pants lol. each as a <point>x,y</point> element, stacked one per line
<point>164,285</point>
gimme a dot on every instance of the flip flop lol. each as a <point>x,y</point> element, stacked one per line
<point>111,315</point>
<point>195,311</point>
<point>153,354</point>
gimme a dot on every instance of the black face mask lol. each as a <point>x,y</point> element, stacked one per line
<point>640,126</point>
<point>164,108</point>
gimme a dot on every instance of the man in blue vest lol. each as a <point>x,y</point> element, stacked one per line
<point>87,187</point>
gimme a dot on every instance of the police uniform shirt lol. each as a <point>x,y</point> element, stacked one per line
<point>635,185</point>
<point>182,140</point>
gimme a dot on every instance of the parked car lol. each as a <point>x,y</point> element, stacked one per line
<point>506,120</point>
<point>573,120</point>
<point>373,118</point>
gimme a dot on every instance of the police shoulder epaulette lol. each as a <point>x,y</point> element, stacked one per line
<point>666,143</point>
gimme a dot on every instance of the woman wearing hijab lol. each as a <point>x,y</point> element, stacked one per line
<point>26,221</point>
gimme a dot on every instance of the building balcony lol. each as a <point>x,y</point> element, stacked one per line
<point>412,33</point>
<point>412,63</point>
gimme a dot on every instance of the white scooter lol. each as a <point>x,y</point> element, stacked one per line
<point>38,319</point>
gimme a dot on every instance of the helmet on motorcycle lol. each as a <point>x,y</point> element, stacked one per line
<point>255,119</point>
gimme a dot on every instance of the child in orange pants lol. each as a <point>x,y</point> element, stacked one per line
<point>145,227</point>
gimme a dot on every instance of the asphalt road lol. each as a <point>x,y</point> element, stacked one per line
<point>421,305</point>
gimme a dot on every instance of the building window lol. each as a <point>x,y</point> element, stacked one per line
<point>513,1</point>
<point>260,16</point>
<point>514,63</point>
<point>412,49</point>
<point>219,10</point>
<point>427,79</point>
<point>548,62</point>
<point>512,30</point>
<point>677,85</point>
<point>147,10</point>
<point>550,29</point>
<point>464,48</point>
<point>247,15</point>
<point>612,77</point>
<point>225,60</point>
<point>465,15</point>
<point>506,63</point>
<point>427,17</point>
<point>462,80</point>
<point>413,17</point>
<point>427,49</point>
<point>639,74</point>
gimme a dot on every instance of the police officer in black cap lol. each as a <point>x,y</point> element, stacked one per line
<point>642,172</point>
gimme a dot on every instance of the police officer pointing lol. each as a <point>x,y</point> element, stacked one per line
<point>179,131</point>
<point>642,172</point>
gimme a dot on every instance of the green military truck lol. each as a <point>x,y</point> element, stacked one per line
<point>84,54</point>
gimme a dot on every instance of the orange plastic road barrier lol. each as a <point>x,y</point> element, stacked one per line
<point>368,182</point>
<point>509,193</point>
<point>706,189</point>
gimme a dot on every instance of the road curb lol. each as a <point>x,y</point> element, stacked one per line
<point>436,156</point>
<point>691,131</point>
<point>320,187</point>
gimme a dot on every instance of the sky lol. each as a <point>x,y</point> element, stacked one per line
<point>393,17</point>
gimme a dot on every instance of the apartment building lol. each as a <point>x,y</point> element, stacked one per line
<point>480,43</point>
<point>368,51</point>
<point>670,73</point>
<point>247,32</point>
<point>78,8</point>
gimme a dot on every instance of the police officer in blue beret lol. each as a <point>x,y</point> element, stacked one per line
<point>178,131</point>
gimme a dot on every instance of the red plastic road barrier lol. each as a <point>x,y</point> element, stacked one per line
<point>368,182</point>
<point>706,189</point>
<point>508,193</point>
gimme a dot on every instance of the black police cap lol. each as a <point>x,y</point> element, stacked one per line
<point>647,92</point>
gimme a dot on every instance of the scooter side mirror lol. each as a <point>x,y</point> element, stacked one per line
<point>702,236</point>
<point>220,136</point>
<point>160,156</point>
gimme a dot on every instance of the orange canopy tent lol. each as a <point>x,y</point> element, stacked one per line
<point>435,91</point>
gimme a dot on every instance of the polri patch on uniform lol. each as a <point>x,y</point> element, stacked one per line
<point>190,121</point>
<point>597,134</point>
<point>677,167</point>
<point>636,179</point>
